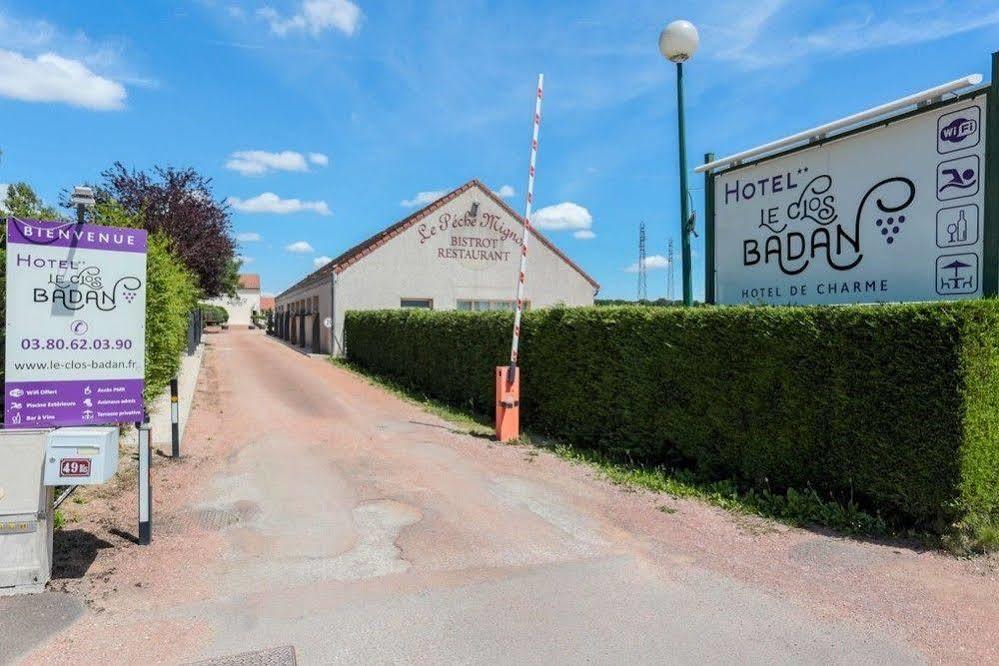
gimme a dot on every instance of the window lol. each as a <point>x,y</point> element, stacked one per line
<point>427,303</point>
<point>485,305</point>
<point>315,304</point>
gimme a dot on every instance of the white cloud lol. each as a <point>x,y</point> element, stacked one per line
<point>52,78</point>
<point>422,199</point>
<point>656,262</point>
<point>315,17</point>
<point>299,247</point>
<point>562,217</point>
<point>245,259</point>
<point>754,38</point>
<point>268,202</point>
<point>248,237</point>
<point>319,159</point>
<point>319,262</point>
<point>584,234</point>
<point>259,162</point>
<point>506,191</point>
<point>867,33</point>
<point>33,38</point>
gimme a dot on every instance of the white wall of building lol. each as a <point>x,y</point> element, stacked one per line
<point>240,306</point>
<point>446,257</point>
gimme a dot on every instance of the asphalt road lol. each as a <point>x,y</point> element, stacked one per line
<point>315,511</point>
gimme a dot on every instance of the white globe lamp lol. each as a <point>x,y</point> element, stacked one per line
<point>679,41</point>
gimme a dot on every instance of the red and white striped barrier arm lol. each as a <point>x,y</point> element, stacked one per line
<point>515,349</point>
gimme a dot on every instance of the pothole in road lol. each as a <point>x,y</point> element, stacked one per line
<point>378,524</point>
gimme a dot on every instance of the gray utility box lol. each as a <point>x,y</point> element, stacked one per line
<point>25,513</point>
<point>82,456</point>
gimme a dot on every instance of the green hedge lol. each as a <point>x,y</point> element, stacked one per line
<point>896,406</point>
<point>171,294</point>
<point>213,315</point>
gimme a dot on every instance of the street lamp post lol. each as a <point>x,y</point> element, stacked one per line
<point>82,198</point>
<point>678,42</point>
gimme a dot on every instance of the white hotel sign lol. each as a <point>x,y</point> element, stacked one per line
<point>894,213</point>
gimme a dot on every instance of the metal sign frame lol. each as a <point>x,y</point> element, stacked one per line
<point>990,230</point>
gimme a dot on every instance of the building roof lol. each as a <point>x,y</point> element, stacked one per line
<point>249,281</point>
<point>266,303</point>
<point>363,249</point>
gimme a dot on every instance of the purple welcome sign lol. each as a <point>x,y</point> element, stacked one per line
<point>71,234</point>
<point>75,343</point>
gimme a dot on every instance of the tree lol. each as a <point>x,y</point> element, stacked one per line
<point>21,201</point>
<point>230,281</point>
<point>179,204</point>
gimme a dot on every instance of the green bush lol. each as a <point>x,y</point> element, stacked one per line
<point>213,315</point>
<point>895,406</point>
<point>171,294</point>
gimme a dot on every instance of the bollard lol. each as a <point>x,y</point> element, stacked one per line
<point>174,418</point>
<point>145,492</point>
<point>507,403</point>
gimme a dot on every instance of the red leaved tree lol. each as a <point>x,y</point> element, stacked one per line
<point>179,204</point>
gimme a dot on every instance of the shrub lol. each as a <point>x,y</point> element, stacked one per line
<point>213,315</point>
<point>171,294</point>
<point>894,406</point>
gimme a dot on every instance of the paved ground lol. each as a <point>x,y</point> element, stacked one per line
<point>315,511</point>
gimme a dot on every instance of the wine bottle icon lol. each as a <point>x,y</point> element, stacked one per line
<point>957,230</point>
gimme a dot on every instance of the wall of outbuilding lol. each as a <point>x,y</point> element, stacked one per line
<point>447,256</point>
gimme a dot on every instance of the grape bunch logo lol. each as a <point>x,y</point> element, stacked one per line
<point>890,197</point>
<point>890,226</point>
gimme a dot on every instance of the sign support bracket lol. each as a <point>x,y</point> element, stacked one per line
<point>709,232</point>
<point>990,236</point>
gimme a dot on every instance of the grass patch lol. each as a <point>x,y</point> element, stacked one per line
<point>799,508</point>
<point>467,421</point>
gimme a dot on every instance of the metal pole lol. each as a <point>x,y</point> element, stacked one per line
<point>174,418</point>
<point>521,280</point>
<point>80,212</point>
<point>145,492</point>
<point>990,237</point>
<point>688,298</point>
<point>709,232</point>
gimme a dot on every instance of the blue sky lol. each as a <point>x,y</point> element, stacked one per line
<point>325,120</point>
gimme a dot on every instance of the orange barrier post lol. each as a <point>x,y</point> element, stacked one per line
<point>507,403</point>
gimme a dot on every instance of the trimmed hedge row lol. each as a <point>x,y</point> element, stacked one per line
<point>896,406</point>
<point>213,315</point>
<point>171,294</point>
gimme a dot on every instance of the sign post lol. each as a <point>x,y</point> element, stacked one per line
<point>76,303</point>
<point>990,253</point>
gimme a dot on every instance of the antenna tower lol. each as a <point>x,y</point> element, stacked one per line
<point>643,283</point>
<point>670,278</point>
